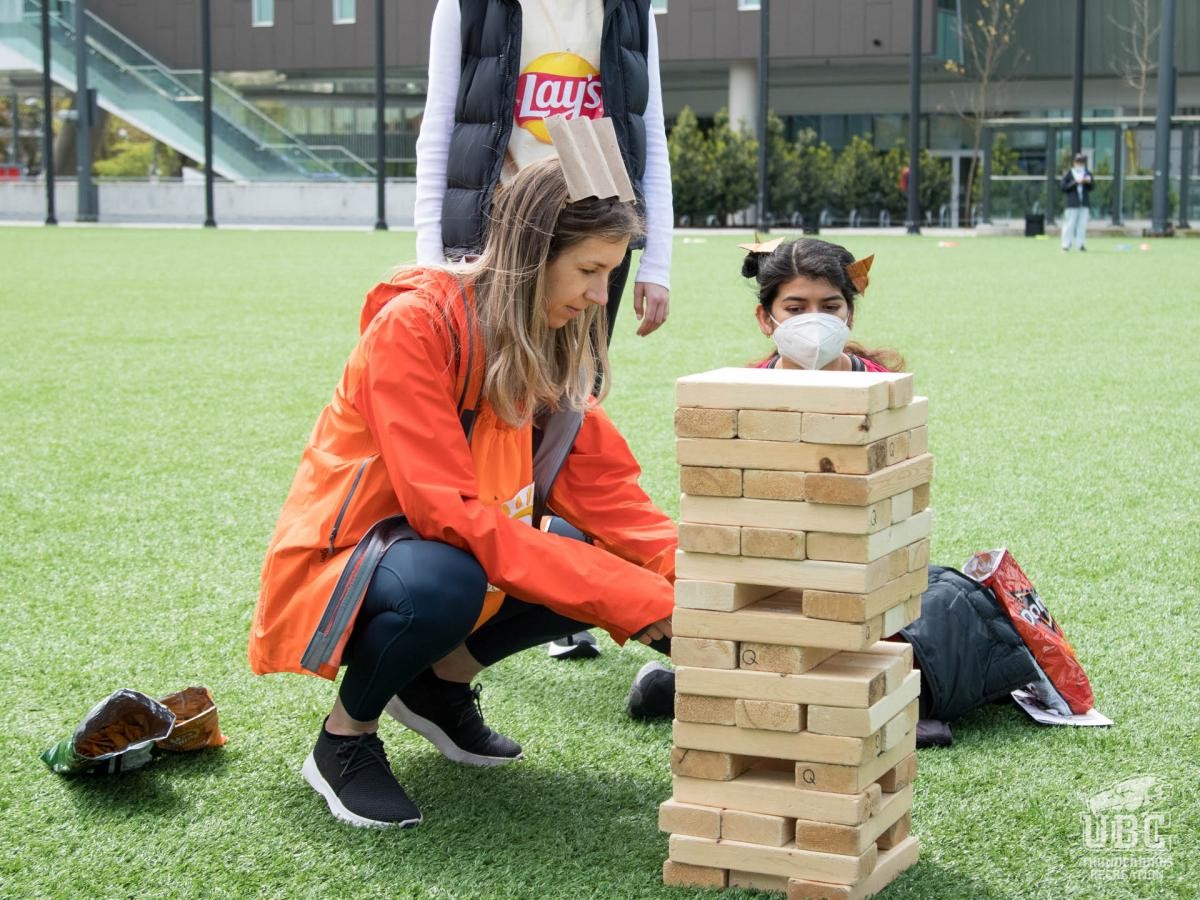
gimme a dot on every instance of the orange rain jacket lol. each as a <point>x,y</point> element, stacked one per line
<point>390,442</point>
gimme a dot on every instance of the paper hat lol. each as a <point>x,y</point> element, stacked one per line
<point>761,247</point>
<point>858,272</point>
<point>590,157</point>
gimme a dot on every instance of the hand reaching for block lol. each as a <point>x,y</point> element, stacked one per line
<point>655,631</point>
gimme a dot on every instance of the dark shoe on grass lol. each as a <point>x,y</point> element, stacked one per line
<point>652,695</point>
<point>353,775</point>
<point>581,645</point>
<point>450,716</point>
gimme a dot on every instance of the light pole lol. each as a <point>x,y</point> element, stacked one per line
<point>380,102</point>
<point>1159,226</point>
<point>913,225</point>
<point>764,53</point>
<point>47,117</point>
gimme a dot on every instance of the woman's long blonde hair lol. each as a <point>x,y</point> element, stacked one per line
<point>531,366</point>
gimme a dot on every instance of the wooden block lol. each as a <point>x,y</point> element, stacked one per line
<point>920,497</point>
<point>901,616</point>
<point>768,425</point>
<point>826,837</point>
<point>786,514</point>
<point>851,578</point>
<point>777,621</point>
<point>898,726</point>
<point>844,607</point>
<point>803,747</point>
<point>902,505</point>
<point>896,667</point>
<point>863,490</point>
<point>677,874</point>
<point>769,484</point>
<point>704,652</point>
<point>918,441</point>
<point>706,423</point>
<point>770,543</point>
<point>754,881</point>
<point>863,722</point>
<point>824,428</point>
<point>854,689</point>
<point>896,449</point>
<point>866,548</point>
<point>900,775</point>
<point>756,828</point>
<point>791,456</point>
<point>725,539</point>
<point>710,482</point>
<point>894,835</point>
<point>768,715</point>
<point>688,818</point>
<point>787,660</point>
<point>720,596</point>
<point>918,554</point>
<point>776,792</point>
<point>850,779</point>
<point>708,764</point>
<point>774,860</point>
<point>888,867</point>
<point>900,389</point>
<point>708,710</point>
<point>786,389</point>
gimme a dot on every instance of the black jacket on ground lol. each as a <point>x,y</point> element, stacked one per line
<point>483,114</point>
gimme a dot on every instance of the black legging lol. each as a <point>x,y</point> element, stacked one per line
<point>422,602</point>
<point>616,289</point>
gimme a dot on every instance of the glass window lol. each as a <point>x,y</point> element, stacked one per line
<point>10,10</point>
<point>262,13</point>
<point>344,12</point>
<point>659,6</point>
<point>748,4</point>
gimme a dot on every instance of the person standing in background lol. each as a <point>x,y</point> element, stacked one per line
<point>1077,183</point>
<point>497,70</point>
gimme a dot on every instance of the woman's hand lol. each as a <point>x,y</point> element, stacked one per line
<point>651,305</point>
<point>655,631</point>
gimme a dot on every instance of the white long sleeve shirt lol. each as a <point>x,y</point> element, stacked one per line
<point>433,147</point>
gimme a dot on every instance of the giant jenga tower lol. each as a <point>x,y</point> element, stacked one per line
<point>804,541</point>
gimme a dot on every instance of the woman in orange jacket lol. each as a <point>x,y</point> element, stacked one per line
<point>408,549</point>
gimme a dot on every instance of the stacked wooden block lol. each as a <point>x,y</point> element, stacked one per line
<point>804,541</point>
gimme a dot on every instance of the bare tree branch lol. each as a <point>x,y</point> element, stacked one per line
<point>1138,59</point>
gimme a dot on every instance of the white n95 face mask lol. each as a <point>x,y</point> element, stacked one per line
<point>811,340</point>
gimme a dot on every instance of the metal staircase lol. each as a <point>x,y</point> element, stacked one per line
<point>166,103</point>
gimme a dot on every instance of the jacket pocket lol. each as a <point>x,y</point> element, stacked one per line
<point>337,522</point>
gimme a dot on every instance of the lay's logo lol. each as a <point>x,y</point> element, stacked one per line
<point>557,84</point>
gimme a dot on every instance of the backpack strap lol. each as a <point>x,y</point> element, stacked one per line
<point>466,416</point>
<point>554,435</point>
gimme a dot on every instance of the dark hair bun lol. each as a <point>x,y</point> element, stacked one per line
<point>750,264</point>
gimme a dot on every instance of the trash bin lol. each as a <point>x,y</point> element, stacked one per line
<point>1035,224</point>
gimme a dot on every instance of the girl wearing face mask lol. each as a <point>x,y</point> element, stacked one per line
<point>806,293</point>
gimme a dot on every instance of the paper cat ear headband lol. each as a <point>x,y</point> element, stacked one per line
<point>590,157</point>
<point>857,271</point>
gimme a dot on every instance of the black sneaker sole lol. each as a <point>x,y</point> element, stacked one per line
<point>445,745</point>
<point>317,782</point>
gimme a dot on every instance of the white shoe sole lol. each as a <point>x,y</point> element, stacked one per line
<point>432,733</point>
<point>318,783</point>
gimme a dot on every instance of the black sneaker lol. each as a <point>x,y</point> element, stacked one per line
<point>353,775</point>
<point>652,695</point>
<point>582,645</point>
<point>450,716</point>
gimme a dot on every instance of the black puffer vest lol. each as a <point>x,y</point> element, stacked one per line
<point>483,114</point>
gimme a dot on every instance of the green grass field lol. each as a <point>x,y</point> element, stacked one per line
<point>156,388</point>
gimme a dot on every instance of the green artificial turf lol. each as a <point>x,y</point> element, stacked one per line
<point>156,388</point>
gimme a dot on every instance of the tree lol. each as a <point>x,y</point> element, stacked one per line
<point>783,169</point>
<point>858,177</point>
<point>693,177</point>
<point>1138,58</point>
<point>990,56</point>
<point>815,175</point>
<point>734,156</point>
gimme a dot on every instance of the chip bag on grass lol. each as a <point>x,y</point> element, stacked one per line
<point>1066,687</point>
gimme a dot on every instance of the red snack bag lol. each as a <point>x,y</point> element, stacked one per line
<point>998,570</point>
